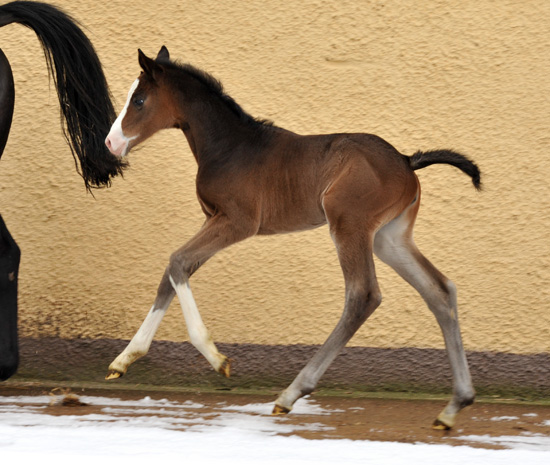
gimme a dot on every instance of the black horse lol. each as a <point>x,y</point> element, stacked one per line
<point>87,115</point>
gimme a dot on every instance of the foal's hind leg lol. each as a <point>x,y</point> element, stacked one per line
<point>394,245</point>
<point>362,298</point>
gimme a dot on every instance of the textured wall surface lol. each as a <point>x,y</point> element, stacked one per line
<point>471,76</point>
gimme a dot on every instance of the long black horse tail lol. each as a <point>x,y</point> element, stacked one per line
<point>84,95</point>
<point>422,159</point>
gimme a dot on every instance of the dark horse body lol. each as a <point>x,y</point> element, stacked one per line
<point>88,113</point>
<point>255,178</point>
<point>9,251</point>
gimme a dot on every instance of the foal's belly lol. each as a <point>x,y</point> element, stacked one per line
<point>293,219</point>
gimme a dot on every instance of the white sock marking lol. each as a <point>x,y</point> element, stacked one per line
<point>198,333</point>
<point>140,343</point>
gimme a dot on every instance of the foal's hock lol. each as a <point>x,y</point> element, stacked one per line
<point>256,178</point>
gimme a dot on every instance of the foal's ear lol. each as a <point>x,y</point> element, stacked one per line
<point>163,54</point>
<point>148,65</point>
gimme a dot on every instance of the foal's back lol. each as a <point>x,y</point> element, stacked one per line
<point>287,183</point>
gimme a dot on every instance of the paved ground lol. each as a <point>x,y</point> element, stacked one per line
<point>353,417</point>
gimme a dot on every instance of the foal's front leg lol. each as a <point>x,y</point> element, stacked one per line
<point>217,233</point>
<point>198,333</point>
<point>140,343</point>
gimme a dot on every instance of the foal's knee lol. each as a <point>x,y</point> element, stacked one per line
<point>179,268</point>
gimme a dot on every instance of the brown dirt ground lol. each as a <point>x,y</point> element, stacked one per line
<point>356,417</point>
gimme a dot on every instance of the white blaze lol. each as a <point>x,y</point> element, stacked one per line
<point>116,141</point>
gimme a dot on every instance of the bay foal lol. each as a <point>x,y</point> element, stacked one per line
<point>255,178</point>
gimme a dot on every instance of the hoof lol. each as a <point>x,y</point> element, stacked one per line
<point>278,410</point>
<point>113,374</point>
<point>225,369</point>
<point>439,425</point>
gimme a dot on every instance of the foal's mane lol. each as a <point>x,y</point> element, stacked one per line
<point>215,87</point>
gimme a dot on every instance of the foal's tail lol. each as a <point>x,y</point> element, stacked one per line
<point>422,159</point>
<point>81,86</point>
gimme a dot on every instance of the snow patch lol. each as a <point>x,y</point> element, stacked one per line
<point>533,442</point>
<point>162,431</point>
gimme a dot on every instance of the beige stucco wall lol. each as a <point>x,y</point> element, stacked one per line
<point>470,75</point>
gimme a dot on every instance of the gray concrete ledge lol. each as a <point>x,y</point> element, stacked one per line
<point>260,366</point>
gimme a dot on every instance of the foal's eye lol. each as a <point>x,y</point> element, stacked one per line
<point>138,101</point>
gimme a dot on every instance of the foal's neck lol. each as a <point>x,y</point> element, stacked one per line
<point>213,129</point>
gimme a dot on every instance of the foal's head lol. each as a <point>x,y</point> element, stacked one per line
<point>148,107</point>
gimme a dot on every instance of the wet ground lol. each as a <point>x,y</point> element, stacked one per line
<point>353,417</point>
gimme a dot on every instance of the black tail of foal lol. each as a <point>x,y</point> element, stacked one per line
<point>422,159</point>
<point>81,86</point>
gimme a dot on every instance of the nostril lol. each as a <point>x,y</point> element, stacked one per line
<point>108,143</point>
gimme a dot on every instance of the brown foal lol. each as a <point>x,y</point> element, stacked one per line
<point>255,178</point>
